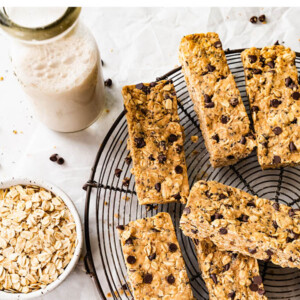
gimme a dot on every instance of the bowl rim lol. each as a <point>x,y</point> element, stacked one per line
<point>9,182</point>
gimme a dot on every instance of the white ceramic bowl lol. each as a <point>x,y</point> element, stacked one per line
<point>58,192</point>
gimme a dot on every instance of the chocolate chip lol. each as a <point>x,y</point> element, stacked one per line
<point>291,212</point>
<point>60,161</point>
<point>187,210</point>
<point>155,230</point>
<point>257,280</point>
<point>158,186</point>
<point>275,225</point>
<point>269,253</point>
<point>234,102</point>
<point>296,95</point>
<point>277,43</point>
<point>207,98</point>
<point>252,251</point>
<point>131,259</point>
<point>139,86</point>
<point>194,231</point>
<point>179,149</point>
<point>153,84</point>
<point>53,157</point>
<point>152,256</point>
<point>210,68</point>
<point>147,278</point>
<point>118,172</point>
<point>129,241</point>
<point>271,64</point>
<point>177,196</point>
<point>171,279</point>
<point>172,138</point>
<point>128,160</point>
<point>275,103</point>
<point>121,227</point>
<point>216,137</point>
<point>262,18</point>
<point>125,287</point>
<point>243,218</point>
<point>178,169</point>
<point>108,82</point>
<point>209,105</point>
<point>218,44</point>
<point>252,58</point>
<point>288,81</point>
<point>224,119</point>
<point>261,291</point>
<point>289,240</point>
<point>226,267</point>
<point>277,130</point>
<point>223,230</point>
<point>139,142</point>
<point>173,247</point>
<point>253,19</point>
<point>151,157</point>
<point>126,181</point>
<point>222,196</point>
<point>162,158</point>
<point>294,121</point>
<point>292,147</point>
<point>243,140</point>
<point>251,204</point>
<point>253,287</point>
<point>256,71</point>
<point>216,216</point>
<point>230,157</point>
<point>255,108</point>
<point>214,278</point>
<point>276,159</point>
<point>276,206</point>
<point>231,295</point>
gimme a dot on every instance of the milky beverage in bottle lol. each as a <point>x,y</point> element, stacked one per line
<point>62,76</point>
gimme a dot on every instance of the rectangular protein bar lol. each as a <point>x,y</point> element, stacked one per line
<point>237,221</point>
<point>156,142</point>
<point>228,275</point>
<point>154,261</point>
<point>217,101</point>
<point>274,94</point>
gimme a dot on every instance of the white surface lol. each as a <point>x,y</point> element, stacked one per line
<point>72,264</point>
<point>136,45</point>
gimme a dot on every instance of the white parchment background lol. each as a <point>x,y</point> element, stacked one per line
<point>136,44</point>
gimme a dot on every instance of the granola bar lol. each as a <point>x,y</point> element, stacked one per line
<point>273,91</point>
<point>237,221</point>
<point>228,275</point>
<point>217,101</point>
<point>154,261</point>
<point>156,142</point>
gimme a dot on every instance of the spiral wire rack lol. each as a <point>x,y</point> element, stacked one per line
<point>114,204</point>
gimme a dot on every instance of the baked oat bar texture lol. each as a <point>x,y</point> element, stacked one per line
<point>156,141</point>
<point>155,265</point>
<point>274,95</point>
<point>228,275</point>
<point>217,101</point>
<point>237,221</point>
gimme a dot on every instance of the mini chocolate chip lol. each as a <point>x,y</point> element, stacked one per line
<point>177,196</point>
<point>118,172</point>
<point>269,253</point>
<point>139,142</point>
<point>294,121</point>
<point>194,231</point>
<point>60,161</point>
<point>108,82</point>
<point>187,210</point>
<point>158,186</point>
<point>126,181</point>
<point>230,157</point>
<point>125,287</point>
<point>153,84</point>
<point>291,212</point>
<point>128,160</point>
<point>231,295</point>
<point>275,225</point>
<point>271,64</point>
<point>131,259</point>
<point>151,157</point>
<point>121,227</point>
<point>216,137</point>
<point>139,86</point>
<point>253,19</point>
<point>277,130</point>
<point>289,240</point>
<point>252,251</point>
<point>207,98</point>
<point>243,218</point>
<point>224,119</point>
<point>209,105</point>
<point>234,102</point>
<point>218,44</point>
<point>255,108</point>
<point>171,279</point>
<point>275,103</point>
<point>179,149</point>
<point>172,138</point>
<point>276,159</point>
<point>251,204</point>
<point>155,230</point>
<point>173,247</point>
<point>223,230</point>
<point>147,278</point>
<point>276,206</point>
<point>178,169</point>
<point>253,287</point>
<point>226,267</point>
<point>296,95</point>
<point>262,18</point>
<point>216,216</point>
<point>243,140</point>
<point>256,71</point>
<point>257,280</point>
<point>152,256</point>
<point>277,43</point>
<point>292,147</point>
<point>261,291</point>
<point>252,58</point>
<point>129,241</point>
<point>162,158</point>
<point>210,68</point>
<point>222,196</point>
<point>53,157</point>
<point>289,82</point>
<point>214,278</point>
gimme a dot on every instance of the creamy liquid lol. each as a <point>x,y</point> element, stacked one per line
<point>63,79</point>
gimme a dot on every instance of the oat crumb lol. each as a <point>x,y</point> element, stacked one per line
<point>194,138</point>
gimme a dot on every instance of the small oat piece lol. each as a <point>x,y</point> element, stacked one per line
<point>156,142</point>
<point>217,101</point>
<point>154,261</point>
<point>228,275</point>
<point>194,138</point>
<point>273,90</point>
<point>237,221</point>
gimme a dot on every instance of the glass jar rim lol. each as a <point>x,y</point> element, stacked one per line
<point>28,34</point>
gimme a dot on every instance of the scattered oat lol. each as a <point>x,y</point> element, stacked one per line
<point>194,138</point>
<point>117,216</point>
<point>15,131</point>
<point>1,78</point>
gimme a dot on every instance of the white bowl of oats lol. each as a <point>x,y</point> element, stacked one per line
<point>40,238</point>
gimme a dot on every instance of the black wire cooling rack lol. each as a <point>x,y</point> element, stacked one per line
<point>109,203</point>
